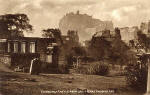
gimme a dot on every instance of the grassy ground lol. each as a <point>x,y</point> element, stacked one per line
<point>15,83</point>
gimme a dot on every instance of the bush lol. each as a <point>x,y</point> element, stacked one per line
<point>98,69</point>
<point>50,68</point>
<point>63,69</point>
<point>81,70</point>
<point>136,76</point>
<point>94,69</point>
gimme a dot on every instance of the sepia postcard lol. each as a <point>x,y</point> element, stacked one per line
<point>74,47</point>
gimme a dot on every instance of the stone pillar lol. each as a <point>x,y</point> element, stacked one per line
<point>77,61</point>
<point>148,79</point>
<point>31,66</point>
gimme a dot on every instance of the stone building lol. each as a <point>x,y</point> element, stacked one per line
<point>128,33</point>
<point>21,50</point>
<point>69,41</point>
<point>106,34</point>
<point>145,28</point>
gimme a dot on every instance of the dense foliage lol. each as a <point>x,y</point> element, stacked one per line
<point>15,24</point>
<point>137,70</point>
<point>53,33</point>
<point>99,68</point>
<point>143,40</point>
<point>110,48</point>
<point>137,74</point>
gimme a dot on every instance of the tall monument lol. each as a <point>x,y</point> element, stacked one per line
<point>148,76</point>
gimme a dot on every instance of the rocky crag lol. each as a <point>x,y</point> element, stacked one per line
<point>85,25</point>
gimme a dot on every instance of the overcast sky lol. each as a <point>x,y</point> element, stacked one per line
<point>47,13</point>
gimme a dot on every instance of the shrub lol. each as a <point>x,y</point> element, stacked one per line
<point>98,69</point>
<point>136,76</point>
<point>81,70</point>
<point>94,69</point>
<point>47,68</point>
<point>63,69</point>
<point>50,68</point>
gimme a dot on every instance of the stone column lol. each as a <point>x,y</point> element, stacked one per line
<point>77,61</point>
<point>148,79</point>
<point>31,66</point>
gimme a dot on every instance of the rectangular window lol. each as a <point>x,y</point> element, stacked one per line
<point>49,58</point>
<point>32,47</point>
<point>23,47</point>
<point>8,47</point>
<point>15,47</point>
<point>2,47</point>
